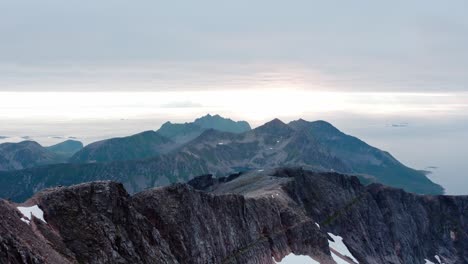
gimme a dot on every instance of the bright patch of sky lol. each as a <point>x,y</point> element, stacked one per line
<point>253,105</point>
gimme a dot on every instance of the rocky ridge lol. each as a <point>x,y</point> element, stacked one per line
<point>256,217</point>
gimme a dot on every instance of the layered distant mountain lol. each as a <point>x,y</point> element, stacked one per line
<point>67,148</point>
<point>313,145</point>
<point>140,146</point>
<point>252,218</point>
<point>151,144</point>
<point>26,154</point>
<point>187,131</point>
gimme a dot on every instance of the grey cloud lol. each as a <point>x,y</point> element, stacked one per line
<point>369,45</point>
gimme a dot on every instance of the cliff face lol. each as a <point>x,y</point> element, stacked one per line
<point>385,225</point>
<point>87,223</point>
<point>251,218</point>
<point>202,228</point>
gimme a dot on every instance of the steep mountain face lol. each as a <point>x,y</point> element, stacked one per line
<point>372,163</point>
<point>67,148</point>
<point>378,224</point>
<point>26,154</point>
<point>186,132</point>
<point>140,146</point>
<point>89,223</point>
<point>257,217</point>
<point>315,145</point>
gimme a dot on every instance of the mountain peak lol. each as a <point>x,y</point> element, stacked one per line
<point>222,124</point>
<point>319,126</point>
<point>211,116</point>
<point>66,148</point>
<point>275,123</point>
<point>274,126</point>
<point>322,126</point>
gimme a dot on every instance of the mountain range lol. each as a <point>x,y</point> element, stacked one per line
<point>257,217</point>
<point>150,159</point>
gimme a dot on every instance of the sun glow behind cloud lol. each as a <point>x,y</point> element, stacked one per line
<point>255,104</point>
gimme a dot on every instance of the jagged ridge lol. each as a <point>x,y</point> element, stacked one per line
<point>247,218</point>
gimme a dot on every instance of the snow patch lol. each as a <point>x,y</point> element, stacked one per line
<point>338,259</point>
<point>317,225</point>
<point>260,170</point>
<point>338,245</point>
<point>28,212</point>
<point>428,262</point>
<point>220,143</point>
<point>438,259</point>
<point>296,259</point>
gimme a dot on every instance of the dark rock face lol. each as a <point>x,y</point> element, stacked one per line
<point>385,225</point>
<point>90,223</point>
<point>378,224</point>
<point>227,228</point>
<point>248,218</point>
<point>19,243</point>
<point>107,221</point>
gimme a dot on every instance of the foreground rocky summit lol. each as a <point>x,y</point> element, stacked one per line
<point>258,217</point>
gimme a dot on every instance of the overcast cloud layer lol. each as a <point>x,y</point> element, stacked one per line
<point>198,45</point>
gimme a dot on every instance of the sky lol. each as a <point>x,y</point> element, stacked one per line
<point>109,45</point>
<point>121,59</point>
<point>389,72</point>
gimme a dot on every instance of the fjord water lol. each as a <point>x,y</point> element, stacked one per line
<point>438,145</point>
